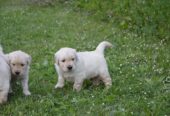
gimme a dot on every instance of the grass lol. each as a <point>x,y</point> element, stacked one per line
<point>139,65</point>
<point>147,18</point>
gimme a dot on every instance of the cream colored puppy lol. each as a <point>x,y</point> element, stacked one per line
<point>20,63</point>
<point>78,66</point>
<point>5,77</point>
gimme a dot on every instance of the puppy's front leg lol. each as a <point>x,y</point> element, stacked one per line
<point>10,88</point>
<point>77,85</point>
<point>60,83</point>
<point>3,96</point>
<point>24,82</point>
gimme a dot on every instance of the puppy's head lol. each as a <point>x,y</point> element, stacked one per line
<point>66,59</point>
<point>19,62</point>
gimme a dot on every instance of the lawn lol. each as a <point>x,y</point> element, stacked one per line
<point>138,64</point>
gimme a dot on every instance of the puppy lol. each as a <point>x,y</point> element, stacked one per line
<point>19,64</point>
<point>5,77</point>
<point>77,66</point>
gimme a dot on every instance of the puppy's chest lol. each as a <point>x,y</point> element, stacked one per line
<point>69,77</point>
<point>16,77</point>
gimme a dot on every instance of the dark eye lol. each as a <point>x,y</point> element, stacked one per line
<point>13,64</point>
<point>22,64</point>
<point>63,60</point>
<point>72,59</point>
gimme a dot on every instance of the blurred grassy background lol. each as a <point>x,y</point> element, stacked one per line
<point>145,17</point>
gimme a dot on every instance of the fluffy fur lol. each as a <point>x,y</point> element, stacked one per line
<point>20,63</point>
<point>5,77</point>
<point>77,66</point>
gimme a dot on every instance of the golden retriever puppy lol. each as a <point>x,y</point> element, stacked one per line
<point>5,77</point>
<point>78,66</point>
<point>19,64</point>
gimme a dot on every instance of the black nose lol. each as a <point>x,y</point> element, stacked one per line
<point>69,67</point>
<point>17,73</point>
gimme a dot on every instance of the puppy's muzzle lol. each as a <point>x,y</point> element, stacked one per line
<point>17,73</point>
<point>69,67</point>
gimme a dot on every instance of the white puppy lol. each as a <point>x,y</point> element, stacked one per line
<point>78,66</point>
<point>20,63</point>
<point>5,77</point>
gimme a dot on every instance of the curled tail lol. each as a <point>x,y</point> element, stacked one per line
<point>101,47</point>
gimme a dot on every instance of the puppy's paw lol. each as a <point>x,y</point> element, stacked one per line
<point>108,86</point>
<point>59,86</point>
<point>27,93</point>
<point>77,88</point>
<point>3,100</point>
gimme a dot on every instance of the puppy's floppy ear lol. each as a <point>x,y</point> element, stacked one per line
<point>56,58</point>
<point>76,56</point>
<point>29,59</point>
<point>26,56</point>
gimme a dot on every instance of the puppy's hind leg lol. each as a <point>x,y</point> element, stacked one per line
<point>106,79</point>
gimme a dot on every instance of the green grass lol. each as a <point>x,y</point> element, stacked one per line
<point>144,17</point>
<point>139,65</point>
